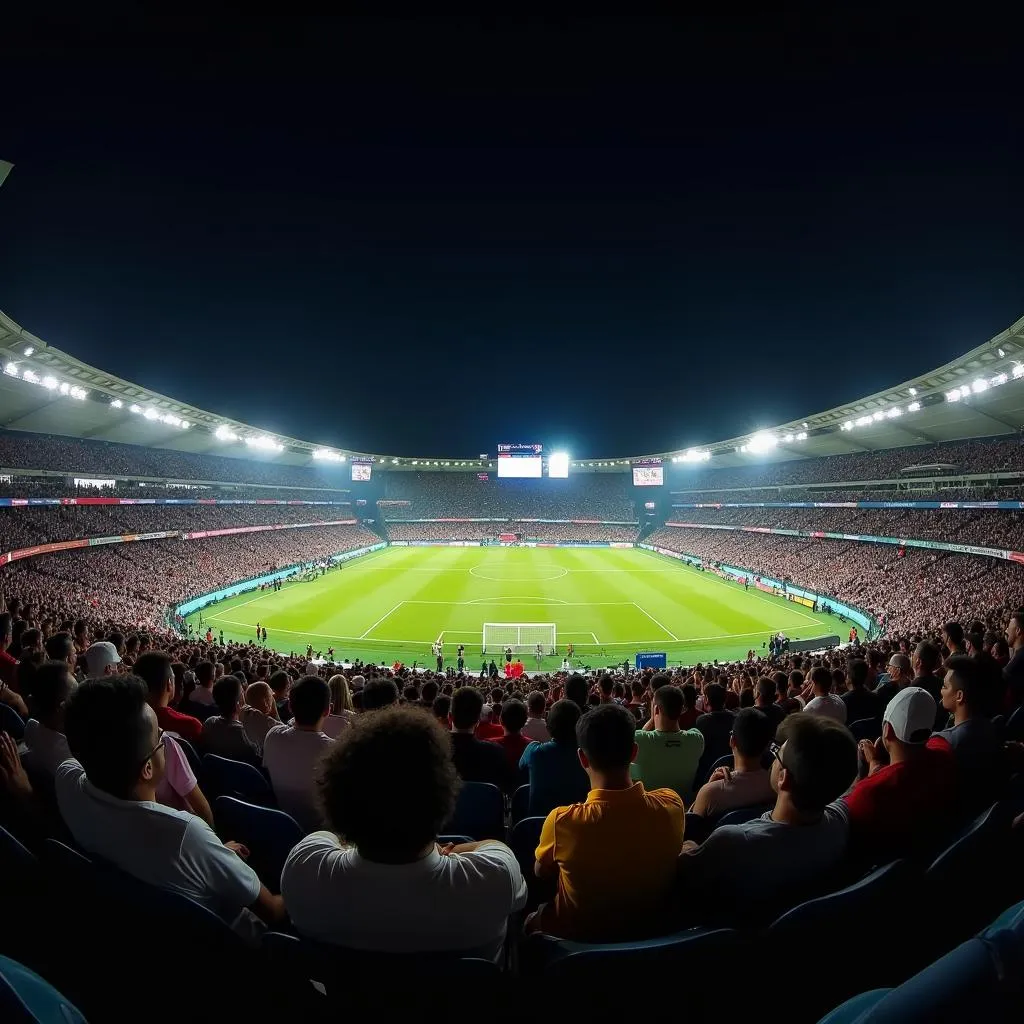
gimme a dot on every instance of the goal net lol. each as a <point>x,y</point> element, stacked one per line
<point>522,637</point>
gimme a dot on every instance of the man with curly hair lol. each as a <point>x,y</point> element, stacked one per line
<point>378,881</point>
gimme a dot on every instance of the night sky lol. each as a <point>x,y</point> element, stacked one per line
<point>425,237</point>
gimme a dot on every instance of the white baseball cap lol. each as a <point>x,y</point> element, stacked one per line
<point>99,656</point>
<point>911,713</point>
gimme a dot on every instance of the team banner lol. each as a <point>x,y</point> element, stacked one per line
<point>1012,506</point>
<point>200,534</point>
<point>85,542</point>
<point>903,542</point>
<point>32,502</point>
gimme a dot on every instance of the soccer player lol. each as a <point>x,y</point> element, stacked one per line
<point>257,632</point>
<point>439,652</point>
<point>508,655</point>
<point>570,651</point>
<point>540,655</point>
<point>264,636</point>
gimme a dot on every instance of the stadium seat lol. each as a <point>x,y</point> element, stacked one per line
<point>479,812</point>
<point>190,755</point>
<point>866,729</point>
<point>1014,728</point>
<point>26,998</point>
<point>270,835</point>
<point>11,723</point>
<point>698,827</point>
<point>15,857</point>
<point>743,814</point>
<point>225,777</point>
<point>725,761</point>
<point>520,803</point>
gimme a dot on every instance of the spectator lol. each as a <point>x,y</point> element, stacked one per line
<point>1013,670</point>
<point>556,775</point>
<point>747,783</point>
<point>750,871</point>
<point>60,647</point>
<point>342,713</point>
<point>973,739</point>
<point>223,733</point>
<point>824,701</point>
<point>666,756</point>
<point>764,700</point>
<point>441,709</point>
<point>716,728</point>
<point>107,797</point>
<point>201,703</point>
<point>859,700</point>
<point>475,760</point>
<point>536,726</point>
<point>621,832</point>
<point>903,807</point>
<point>46,746</point>
<point>379,693</point>
<point>102,659</point>
<point>927,663</point>
<point>281,683</point>
<point>154,669</point>
<point>292,753</point>
<point>577,690</point>
<point>899,674</point>
<point>258,713</point>
<point>8,664</point>
<point>513,743</point>
<point>688,719</point>
<point>387,886</point>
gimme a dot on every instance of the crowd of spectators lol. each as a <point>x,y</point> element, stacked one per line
<point>903,590</point>
<point>440,495</point>
<point>545,533</point>
<point>1008,492</point>
<point>15,485</point>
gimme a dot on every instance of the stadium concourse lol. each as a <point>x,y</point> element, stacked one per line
<point>556,838</point>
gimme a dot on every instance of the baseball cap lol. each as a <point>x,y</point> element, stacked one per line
<point>99,656</point>
<point>911,713</point>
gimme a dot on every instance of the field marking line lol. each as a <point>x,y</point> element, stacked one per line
<point>594,635</point>
<point>655,621</point>
<point>241,604</point>
<point>515,600</point>
<point>440,637</point>
<point>374,626</point>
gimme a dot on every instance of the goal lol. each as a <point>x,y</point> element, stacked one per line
<point>520,636</point>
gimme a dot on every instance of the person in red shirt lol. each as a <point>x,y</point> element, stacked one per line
<point>907,805</point>
<point>154,669</point>
<point>9,668</point>
<point>487,728</point>
<point>512,741</point>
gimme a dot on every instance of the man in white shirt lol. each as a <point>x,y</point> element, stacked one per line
<point>45,743</point>
<point>536,727</point>
<point>825,702</point>
<point>292,753</point>
<point>389,785</point>
<point>107,798</point>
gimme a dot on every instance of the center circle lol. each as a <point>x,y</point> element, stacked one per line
<point>557,572</point>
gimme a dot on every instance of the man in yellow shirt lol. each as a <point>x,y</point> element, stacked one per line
<point>614,856</point>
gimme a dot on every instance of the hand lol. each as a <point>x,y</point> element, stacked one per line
<point>12,773</point>
<point>867,750</point>
<point>689,846</point>
<point>722,774</point>
<point>242,851</point>
<point>446,849</point>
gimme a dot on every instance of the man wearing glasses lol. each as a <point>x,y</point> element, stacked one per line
<point>107,798</point>
<point>752,870</point>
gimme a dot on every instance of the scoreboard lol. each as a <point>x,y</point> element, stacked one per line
<point>648,473</point>
<point>516,461</point>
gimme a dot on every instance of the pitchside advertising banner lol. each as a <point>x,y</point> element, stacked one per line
<point>19,502</point>
<point>1008,505</point>
<point>931,545</point>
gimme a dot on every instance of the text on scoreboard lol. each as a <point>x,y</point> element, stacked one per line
<point>520,460</point>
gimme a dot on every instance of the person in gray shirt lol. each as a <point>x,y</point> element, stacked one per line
<point>752,871</point>
<point>224,734</point>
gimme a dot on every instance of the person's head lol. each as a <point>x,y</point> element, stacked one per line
<point>689,695</point>
<point>428,692</point>
<point>715,694</point>
<point>821,680</point>
<point>113,732</point>
<point>61,647</point>
<point>535,704</point>
<point>399,758</point>
<point>154,669</point>
<point>260,696</point>
<point>52,684</point>
<point>604,685</point>
<point>379,693</point>
<point>953,636</point>
<point>341,699</point>
<point>907,721</point>
<point>900,669</point>
<point>562,720</point>
<point>6,629</point>
<point>513,716</point>
<point>227,695</point>
<point>204,674</point>
<point>751,734</point>
<point>764,692</point>
<point>1014,630</point>
<point>310,701</point>
<point>857,674</point>
<point>815,760</point>
<point>410,693</point>
<point>31,640</point>
<point>466,707</point>
<point>668,706</point>
<point>101,659</point>
<point>442,708</point>
<point>280,683</point>
<point>962,687</point>
<point>576,690</point>
<point>926,658</point>
<point>605,736</point>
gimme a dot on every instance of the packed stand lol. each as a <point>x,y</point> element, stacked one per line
<point>551,533</point>
<point>891,493</point>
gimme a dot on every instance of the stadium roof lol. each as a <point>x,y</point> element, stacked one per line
<point>979,394</point>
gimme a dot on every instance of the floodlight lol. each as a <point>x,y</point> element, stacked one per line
<point>29,350</point>
<point>1018,371</point>
<point>50,383</point>
<point>224,433</point>
<point>914,407</point>
<point>116,403</point>
<point>558,465</point>
<point>762,441</point>
<point>11,369</point>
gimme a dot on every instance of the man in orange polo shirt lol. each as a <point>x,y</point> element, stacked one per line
<point>615,855</point>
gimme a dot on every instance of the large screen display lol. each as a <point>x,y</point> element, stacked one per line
<point>361,471</point>
<point>648,476</point>
<point>520,460</point>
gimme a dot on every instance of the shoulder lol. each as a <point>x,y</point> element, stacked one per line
<point>493,856</point>
<point>665,798</point>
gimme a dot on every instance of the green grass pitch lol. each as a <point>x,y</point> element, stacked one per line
<point>610,603</point>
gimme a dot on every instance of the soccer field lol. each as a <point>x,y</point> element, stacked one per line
<point>610,603</point>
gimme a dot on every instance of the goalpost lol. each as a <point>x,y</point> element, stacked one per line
<point>520,636</point>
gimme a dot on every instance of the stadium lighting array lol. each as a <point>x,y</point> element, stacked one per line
<point>982,384</point>
<point>264,443</point>
<point>29,351</point>
<point>326,455</point>
<point>153,415</point>
<point>693,455</point>
<point>223,433</point>
<point>761,442</point>
<point>49,382</point>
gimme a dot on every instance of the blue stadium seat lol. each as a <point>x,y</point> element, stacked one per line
<point>270,835</point>
<point>190,755</point>
<point>1014,728</point>
<point>725,761</point>
<point>479,812</point>
<point>11,723</point>
<point>743,814</point>
<point>866,729</point>
<point>224,777</point>
<point>520,803</point>
<point>26,998</point>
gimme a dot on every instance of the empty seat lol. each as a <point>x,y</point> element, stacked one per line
<point>269,834</point>
<point>520,803</point>
<point>11,723</point>
<point>479,812</point>
<point>26,998</point>
<point>224,777</point>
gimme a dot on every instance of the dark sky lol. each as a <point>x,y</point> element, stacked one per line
<point>429,236</point>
